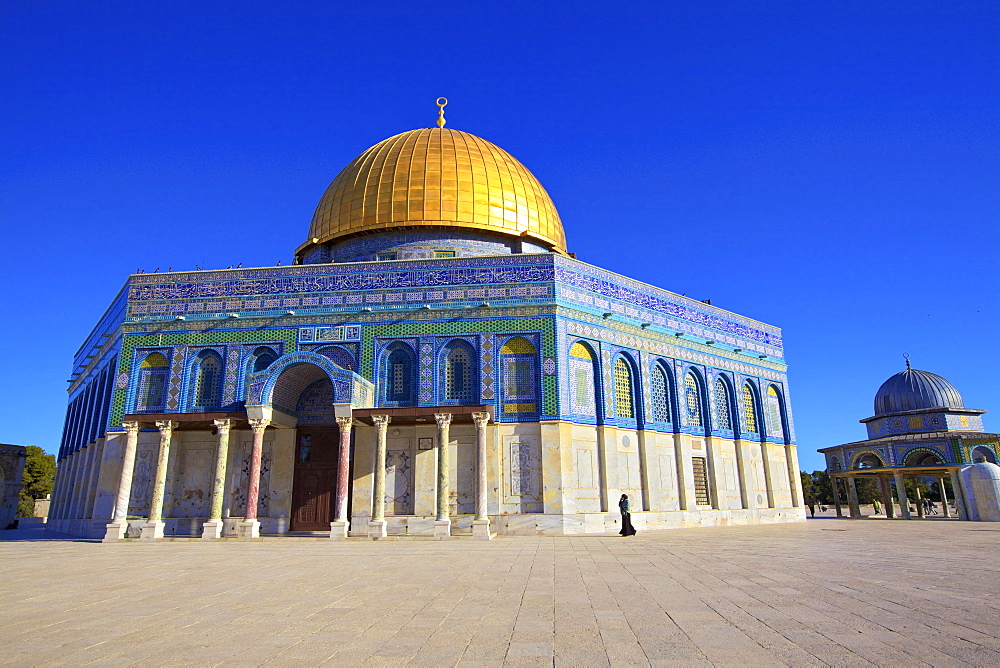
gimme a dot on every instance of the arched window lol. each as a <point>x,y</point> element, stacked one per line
<point>399,385</point>
<point>749,410</point>
<point>208,381</point>
<point>263,358</point>
<point>775,413</point>
<point>660,394</point>
<point>152,383</point>
<point>459,378</point>
<point>723,418</point>
<point>583,391</point>
<point>868,460</point>
<point>692,400</point>
<point>982,453</point>
<point>623,390</point>
<point>518,364</point>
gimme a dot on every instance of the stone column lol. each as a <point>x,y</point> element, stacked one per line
<point>852,498</point>
<point>250,526</point>
<point>835,484</point>
<point>956,488</point>
<point>904,503</point>
<point>481,525</point>
<point>442,525</point>
<point>377,524</point>
<point>794,479</point>
<point>768,483</point>
<point>883,484</point>
<point>153,529</point>
<point>119,520</point>
<point>213,527</point>
<point>920,498</point>
<point>944,498</point>
<point>341,523</point>
<point>741,475</point>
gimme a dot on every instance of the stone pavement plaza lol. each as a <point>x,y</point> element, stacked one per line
<point>825,592</point>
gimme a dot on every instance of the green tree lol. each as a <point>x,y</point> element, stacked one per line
<point>808,490</point>
<point>39,477</point>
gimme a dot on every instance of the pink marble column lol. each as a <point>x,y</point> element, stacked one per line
<point>250,526</point>
<point>119,524</point>
<point>341,523</point>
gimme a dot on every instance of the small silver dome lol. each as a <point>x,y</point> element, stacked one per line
<point>912,390</point>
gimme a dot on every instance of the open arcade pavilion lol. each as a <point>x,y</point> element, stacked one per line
<point>433,362</point>
<point>921,429</point>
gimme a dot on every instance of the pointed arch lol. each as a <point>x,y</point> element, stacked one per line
<point>583,373</point>
<point>624,384</point>
<point>153,372</point>
<point>261,358</point>
<point>750,409</point>
<point>694,399</point>
<point>208,370</point>
<point>661,393</point>
<point>723,404</point>
<point>519,376</point>
<point>398,369</point>
<point>777,420</point>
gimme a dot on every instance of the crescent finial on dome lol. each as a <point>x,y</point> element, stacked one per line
<point>441,102</point>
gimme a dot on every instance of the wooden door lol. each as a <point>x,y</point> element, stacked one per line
<point>315,478</point>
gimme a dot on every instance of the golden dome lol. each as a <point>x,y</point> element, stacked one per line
<point>436,177</point>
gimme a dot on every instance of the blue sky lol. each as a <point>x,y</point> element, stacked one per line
<point>830,168</point>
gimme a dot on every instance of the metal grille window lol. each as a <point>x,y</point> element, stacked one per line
<point>520,379</point>
<point>774,411</point>
<point>458,375</point>
<point>623,390</point>
<point>723,420</point>
<point>399,382</point>
<point>660,395</point>
<point>700,468</point>
<point>692,399</point>
<point>749,410</point>
<point>207,387</point>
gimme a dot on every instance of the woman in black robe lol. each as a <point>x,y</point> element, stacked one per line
<point>626,508</point>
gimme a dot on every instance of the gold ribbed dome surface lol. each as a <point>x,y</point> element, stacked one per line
<point>437,177</point>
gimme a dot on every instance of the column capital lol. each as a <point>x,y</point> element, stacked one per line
<point>481,419</point>
<point>131,427</point>
<point>442,419</point>
<point>166,427</point>
<point>381,421</point>
<point>223,426</point>
<point>258,425</point>
<point>345,421</point>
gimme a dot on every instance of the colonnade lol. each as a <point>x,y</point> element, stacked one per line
<point>377,525</point>
<point>886,493</point>
<point>76,488</point>
<point>249,527</point>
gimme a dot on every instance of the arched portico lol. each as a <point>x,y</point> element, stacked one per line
<point>303,390</point>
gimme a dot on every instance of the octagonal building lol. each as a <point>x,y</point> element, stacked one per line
<point>434,362</point>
